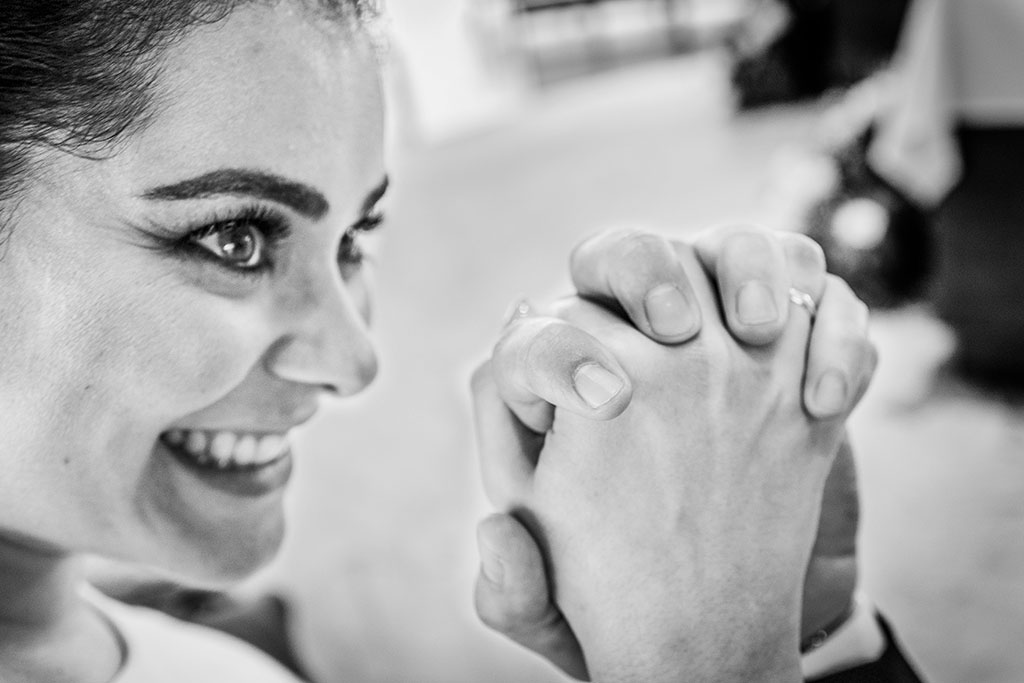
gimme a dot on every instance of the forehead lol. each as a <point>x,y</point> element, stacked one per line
<point>267,88</point>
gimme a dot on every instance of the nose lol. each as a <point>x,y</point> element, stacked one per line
<point>327,342</point>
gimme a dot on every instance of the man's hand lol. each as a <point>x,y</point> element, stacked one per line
<point>538,360</point>
<point>679,533</point>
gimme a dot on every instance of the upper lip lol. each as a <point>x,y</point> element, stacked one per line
<point>262,431</point>
<point>253,427</point>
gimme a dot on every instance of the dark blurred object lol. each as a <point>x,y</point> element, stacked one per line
<point>595,34</point>
<point>979,284</point>
<point>825,44</point>
<point>873,236</point>
<point>866,35</point>
<point>524,6</point>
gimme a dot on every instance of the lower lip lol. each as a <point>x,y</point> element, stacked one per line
<point>245,483</point>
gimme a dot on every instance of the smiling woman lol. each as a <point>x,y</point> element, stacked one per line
<point>183,187</point>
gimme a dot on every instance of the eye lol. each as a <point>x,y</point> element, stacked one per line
<point>350,252</point>
<point>237,243</point>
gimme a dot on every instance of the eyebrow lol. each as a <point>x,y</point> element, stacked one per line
<point>244,182</point>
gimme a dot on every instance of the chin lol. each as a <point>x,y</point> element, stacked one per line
<point>206,522</point>
<point>218,560</point>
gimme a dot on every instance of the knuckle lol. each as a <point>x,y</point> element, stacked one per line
<point>582,251</point>
<point>804,253</point>
<point>529,341</point>
<point>497,488</point>
<point>837,287</point>
<point>869,356</point>
<point>747,250</point>
<point>638,252</point>
<point>713,240</point>
<point>863,315</point>
<point>748,229</point>
<point>859,352</point>
<point>615,236</point>
<point>860,358</point>
<point>543,362</point>
<point>545,341</point>
<point>751,234</point>
<point>565,307</point>
<point>842,305</point>
<point>498,527</point>
<point>598,244</point>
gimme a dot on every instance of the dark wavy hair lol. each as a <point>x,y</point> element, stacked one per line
<point>77,75</point>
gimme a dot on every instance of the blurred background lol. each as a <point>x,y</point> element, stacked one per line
<point>886,129</point>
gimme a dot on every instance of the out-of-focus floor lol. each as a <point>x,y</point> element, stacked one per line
<point>381,553</point>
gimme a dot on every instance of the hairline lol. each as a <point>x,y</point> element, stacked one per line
<point>352,19</point>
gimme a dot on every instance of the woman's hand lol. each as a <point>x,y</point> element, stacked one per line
<point>679,533</point>
<point>534,367</point>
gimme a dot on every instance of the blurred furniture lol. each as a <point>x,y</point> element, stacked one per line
<point>954,140</point>
<point>873,236</point>
<point>866,35</point>
<point>821,44</point>
<point>587,12</point>
<point>537,5</point>
<point>979,228</point>
<point>596,24</point>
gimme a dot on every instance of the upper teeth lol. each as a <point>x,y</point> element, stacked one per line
<point>229,449</point>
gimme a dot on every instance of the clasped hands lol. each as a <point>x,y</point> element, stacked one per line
<point>660,448</point>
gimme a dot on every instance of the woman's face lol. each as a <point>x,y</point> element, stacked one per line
<point>169,314</point>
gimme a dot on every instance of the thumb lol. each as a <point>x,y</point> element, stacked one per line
<point>512,595</point>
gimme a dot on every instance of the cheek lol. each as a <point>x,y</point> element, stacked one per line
<point>148,355</point>
<point>182,353</point>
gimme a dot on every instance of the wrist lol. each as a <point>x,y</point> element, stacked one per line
<point>763,653</point>
<point>728,641</point>
<point>734,659</point>
<point>768,659</point>
<point>696,625</point>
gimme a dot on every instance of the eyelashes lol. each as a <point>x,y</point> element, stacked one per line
<point>350,252</point>
<point>246,241</point>
<point>369,222</point>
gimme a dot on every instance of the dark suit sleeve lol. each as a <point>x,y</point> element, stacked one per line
<point>891,667</point>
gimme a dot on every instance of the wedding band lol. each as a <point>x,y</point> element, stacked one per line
<point>804,301</point>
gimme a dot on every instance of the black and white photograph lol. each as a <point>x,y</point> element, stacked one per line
<point>511,341</point>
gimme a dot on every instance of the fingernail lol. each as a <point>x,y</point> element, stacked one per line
<point>492,566</point>
<point>668,311</point>
<point>596,385</point>
<point>830,393</point>
<point>755,304</point>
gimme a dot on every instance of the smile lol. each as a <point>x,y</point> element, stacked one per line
<point>225,450</point>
